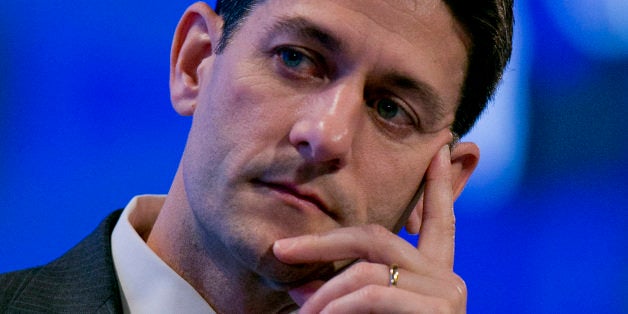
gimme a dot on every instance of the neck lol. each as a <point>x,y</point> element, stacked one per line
<point>199,257</point>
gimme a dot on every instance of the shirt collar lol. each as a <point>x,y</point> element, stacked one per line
<point>148,284</point>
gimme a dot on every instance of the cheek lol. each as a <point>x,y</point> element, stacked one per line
<point>241,112</point>
<point>391,184</point>
<point>250,103</point>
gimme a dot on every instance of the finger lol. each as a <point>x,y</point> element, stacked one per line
<point>373,243</point>
<point>436,237</point>
<point>363,274</point>
<point>303,293</point>
<point>378,299</point>
<point>413,224</point>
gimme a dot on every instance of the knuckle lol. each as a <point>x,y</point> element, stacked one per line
<point>461,285</point>
<point>458,291</point>
<point>370,293</point>
<point>442,306</point>
<point>449,227</point>
<point>376,231</point>
<point>360,270</point>
<point>367,295</point>
<point>379,237</point>
<point>451,223</point>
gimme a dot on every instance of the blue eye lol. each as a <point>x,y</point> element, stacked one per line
<point>291,58</point>
<point>299,63</point>
<point>386,108</point>
<point>392,112</point>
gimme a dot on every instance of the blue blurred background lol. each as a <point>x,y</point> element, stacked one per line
<point>86,124</point>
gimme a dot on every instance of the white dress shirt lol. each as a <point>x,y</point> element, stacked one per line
<point>148,284</point>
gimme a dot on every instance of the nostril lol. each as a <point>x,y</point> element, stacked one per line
<point>312,155</point>
<point>304,147</point>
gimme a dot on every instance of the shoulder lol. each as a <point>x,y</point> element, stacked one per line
<point>83,279</point>
<point>13,283</point>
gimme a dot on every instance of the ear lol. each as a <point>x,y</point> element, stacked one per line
<point>196,35</point>
<point>464,159</point>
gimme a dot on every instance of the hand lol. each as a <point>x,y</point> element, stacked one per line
<point>426,282</point>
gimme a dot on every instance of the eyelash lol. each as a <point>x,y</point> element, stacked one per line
<point>401,110</point>
<point>318,70</point>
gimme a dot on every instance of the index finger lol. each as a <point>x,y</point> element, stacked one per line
<point>436,236</point>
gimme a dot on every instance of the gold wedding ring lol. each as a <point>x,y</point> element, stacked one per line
<point>393,277</point>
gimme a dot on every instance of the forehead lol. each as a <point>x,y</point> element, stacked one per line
<point>416,37</point>
<point>404,17</point>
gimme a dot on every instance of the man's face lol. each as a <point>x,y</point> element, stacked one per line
<point>319,115</point>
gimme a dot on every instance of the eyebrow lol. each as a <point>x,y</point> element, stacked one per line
<point>306,29</point>
<point>433,103</point>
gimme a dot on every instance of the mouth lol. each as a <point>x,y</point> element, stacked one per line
<point>295,197</point>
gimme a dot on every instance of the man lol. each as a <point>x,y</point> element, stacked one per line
<point>319,129</point>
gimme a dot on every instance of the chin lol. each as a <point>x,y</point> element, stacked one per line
<point>254,250</point>
<point>283,277</point>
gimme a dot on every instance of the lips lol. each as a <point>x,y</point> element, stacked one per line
<point>293,194</point>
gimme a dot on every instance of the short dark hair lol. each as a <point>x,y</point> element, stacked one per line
<point>233,13</point>
<point>488,23</point>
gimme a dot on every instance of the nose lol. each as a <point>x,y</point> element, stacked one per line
<point>325,131</point>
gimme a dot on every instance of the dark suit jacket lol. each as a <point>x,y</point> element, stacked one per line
<point>83,280</point>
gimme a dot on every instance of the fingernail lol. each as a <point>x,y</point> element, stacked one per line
<point>284,245</point>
